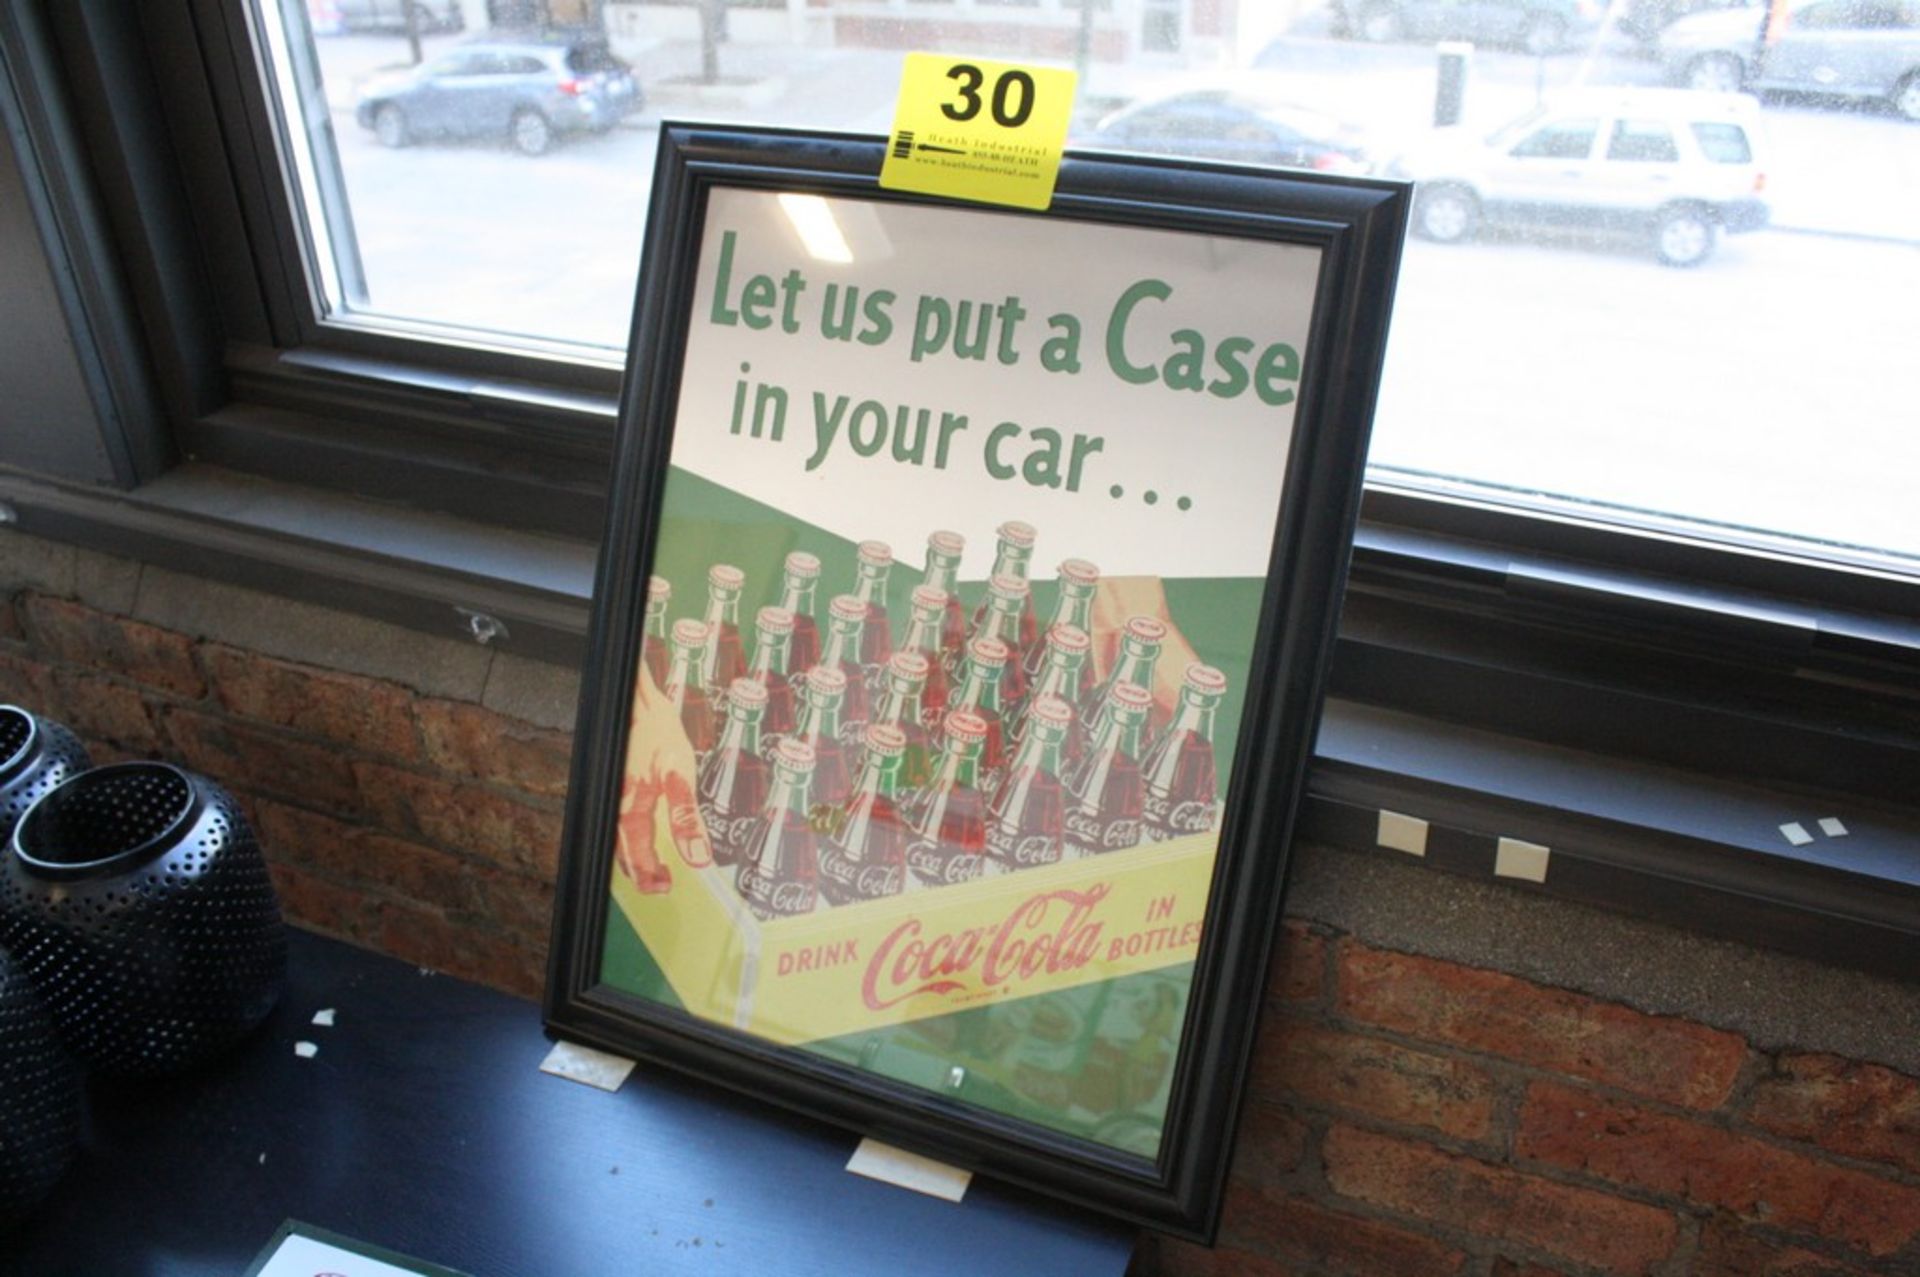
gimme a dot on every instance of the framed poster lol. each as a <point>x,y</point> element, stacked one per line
<point>957,646</point>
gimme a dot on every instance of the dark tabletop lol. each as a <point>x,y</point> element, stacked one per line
<point>424,1125</point>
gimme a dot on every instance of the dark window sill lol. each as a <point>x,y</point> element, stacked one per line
<point>1660,804</point>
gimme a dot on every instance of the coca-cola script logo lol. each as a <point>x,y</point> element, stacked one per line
<point>835,865</point>
<point>944,867</point>
<point>876,881</point>
<point>1083,829</point>
<point>1048,933</point>
<point>734,833</point>
<point>1022,853</point>
<point>1093,834</point>
<point>1191,818</point>
<point>867,882</point>
<point>773,896</point>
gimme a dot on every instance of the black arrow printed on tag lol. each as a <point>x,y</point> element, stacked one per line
<point>904,146</point>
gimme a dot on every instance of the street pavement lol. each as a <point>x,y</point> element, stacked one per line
<point>1841,171</point>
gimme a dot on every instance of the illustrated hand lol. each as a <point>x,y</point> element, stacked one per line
<point>660,767</point>
<point>1122,597</point>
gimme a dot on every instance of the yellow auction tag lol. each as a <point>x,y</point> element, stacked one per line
<point>978,130</point>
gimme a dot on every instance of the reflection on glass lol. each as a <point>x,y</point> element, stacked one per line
<point>1628,290</point>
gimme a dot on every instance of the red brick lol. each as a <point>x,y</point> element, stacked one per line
<point>147,654</point>
<point>1350,1071</point>
<point>1860,1110</point>
<point>519,904</point>
<point>1656,1056</point>
<point>1301,1231</point>
<point>320,905</point>
<point>1729,1250</point>
<point>1504,1267</point>
<point>1299,964</point>
<point>1166,1257</point>
<point>243,757</point>
<point>102,708</point>
<point>100,752</point>
<point>421,935</point>
<point>1709,1166</point>
<point>467,818</point>
<point>1270,1145</point>
<point>517,968</point>
<point>360,713</point>
<point>371,862</point>
<point>470,741</point>
<point>428,939</point>
<point>29,684</point>
<point>1498,1203</point>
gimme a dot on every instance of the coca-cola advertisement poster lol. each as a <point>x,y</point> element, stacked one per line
<point>946,623</point>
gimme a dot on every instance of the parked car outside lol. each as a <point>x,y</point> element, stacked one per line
<point>528,92</point>
<point>1671,166</point>
<point>1536,26</point>
<point>331,17</point>
<point>1849,48</point>
<point>1240,125</point>
<point>1644,20</point>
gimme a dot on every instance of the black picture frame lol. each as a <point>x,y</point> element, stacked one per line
<point>1357,226</point>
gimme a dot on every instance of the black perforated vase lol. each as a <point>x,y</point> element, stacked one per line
<point>39,1098</point>
<point>137,900</point>
<point>35,755</point>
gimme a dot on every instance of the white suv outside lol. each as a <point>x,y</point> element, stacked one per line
<point>1674,166</point>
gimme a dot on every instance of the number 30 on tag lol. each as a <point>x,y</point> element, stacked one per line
<point>972,129</point>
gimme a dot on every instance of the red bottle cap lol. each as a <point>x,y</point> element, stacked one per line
<point>689,632</point>
<point>803,565</point>
<point>1068,638</point>
<point>1130,696</point>
<point>1146,628</point>
<point>1007,586</point>
<point>886,740</point>
<point>847,608</point>
<point>1018,534</point>
<point>1079,571</point>
<point>950,544</point>
<point>965,725</point>
<point>878,553</point>
<point>912,665</point>
<point>794,754</point>
<point>825,678</point>
<point>1052,711</point>
<point>1205,678</point>
<point>930,597</point>
<point>990,652</point>
<point>777,620</point>
<point>726,576</point>
<point>746,691</point>
<point>659,589</point>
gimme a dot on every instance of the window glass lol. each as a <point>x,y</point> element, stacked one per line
<point>1561,140</point>
<point>1722,143</point>
<point>1844,15</point>
<point>1717,337</point>
<point>583,59</point>
<point>1646,141</point>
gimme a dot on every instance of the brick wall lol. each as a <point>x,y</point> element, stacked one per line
<point>422,826</point>
<point>1408,1113</point>
<point>1411,1115</point>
